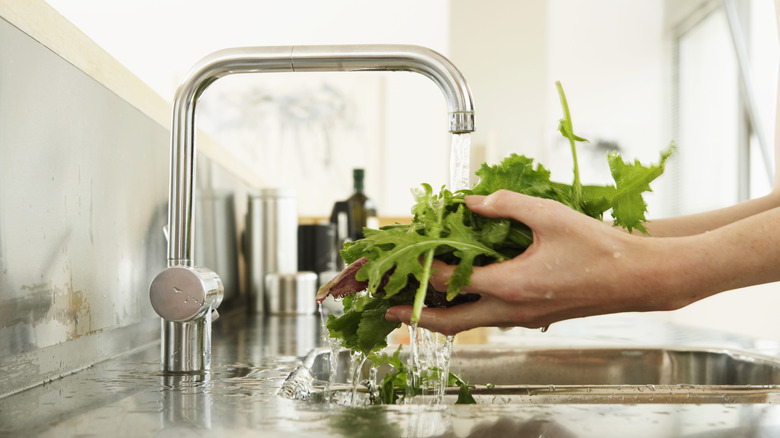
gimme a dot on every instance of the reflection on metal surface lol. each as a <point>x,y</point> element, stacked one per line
<point>82,203</point>
<point>577,375</point>
<point>186,402</point>
<point>252,357</point>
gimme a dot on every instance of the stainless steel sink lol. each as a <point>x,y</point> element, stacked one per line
<point>579,375</point>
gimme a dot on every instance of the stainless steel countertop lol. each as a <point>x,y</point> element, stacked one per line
<point>128,396</point>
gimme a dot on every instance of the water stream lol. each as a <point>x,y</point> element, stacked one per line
<point>429,352</point>
<point>460,157</point>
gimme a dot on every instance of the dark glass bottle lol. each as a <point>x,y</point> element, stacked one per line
<point>362,209</point>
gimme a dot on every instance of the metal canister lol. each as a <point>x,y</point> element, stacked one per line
<point>271,240</point>
<point>291,294</point>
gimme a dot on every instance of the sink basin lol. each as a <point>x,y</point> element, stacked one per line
<point>578,375</point>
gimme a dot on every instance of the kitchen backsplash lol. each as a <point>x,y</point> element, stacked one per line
<point>83,202</point>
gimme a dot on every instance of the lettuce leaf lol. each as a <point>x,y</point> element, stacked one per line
<point>400,256</point>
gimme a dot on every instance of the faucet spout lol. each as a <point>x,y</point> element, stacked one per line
<point>414,59</point>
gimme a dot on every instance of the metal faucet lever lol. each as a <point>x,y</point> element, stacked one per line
<point>186,326</point>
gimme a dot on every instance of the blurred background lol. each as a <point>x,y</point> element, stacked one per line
<point>638,76</point>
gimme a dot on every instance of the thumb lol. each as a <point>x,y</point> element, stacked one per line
<point>529,210</point>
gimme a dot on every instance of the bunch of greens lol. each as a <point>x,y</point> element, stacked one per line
<point>400,256</point>
<point>395,382</point>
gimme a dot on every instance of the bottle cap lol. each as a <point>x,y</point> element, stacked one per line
<point>357,175</point>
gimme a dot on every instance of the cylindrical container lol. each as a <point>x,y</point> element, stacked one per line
<point>317,247</point>
<point>291,294</point>
<point>271,240</point>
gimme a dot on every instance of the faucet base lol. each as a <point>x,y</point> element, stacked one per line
<point>186,346</point>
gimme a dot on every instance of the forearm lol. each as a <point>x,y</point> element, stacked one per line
<point>743,253</point>
<point>707,221</point>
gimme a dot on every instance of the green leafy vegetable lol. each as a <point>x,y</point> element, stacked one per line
<point>363,326</point>
<point>394,384</point>
<point>363,422</point>
<point>464,390</point>
<point>566,128</point>
<point>400,256</point>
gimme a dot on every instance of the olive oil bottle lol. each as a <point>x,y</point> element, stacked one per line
<point>362,209</point>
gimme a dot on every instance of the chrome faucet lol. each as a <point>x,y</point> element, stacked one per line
<point>186,296</point>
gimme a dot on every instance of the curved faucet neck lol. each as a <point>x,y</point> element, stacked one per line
<point>289,59</point>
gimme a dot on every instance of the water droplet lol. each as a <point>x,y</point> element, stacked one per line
<point>177,290</point>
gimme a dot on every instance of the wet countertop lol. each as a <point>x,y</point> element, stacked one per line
<point>128,396</point>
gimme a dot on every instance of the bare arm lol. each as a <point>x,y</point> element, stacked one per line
<point>707,221</point>
<point>578,266</point>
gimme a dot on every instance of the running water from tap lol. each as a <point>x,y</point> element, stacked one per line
<point>425,352</point>
<point>460,154</point>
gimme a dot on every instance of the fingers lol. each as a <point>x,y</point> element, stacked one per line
<point>502,203</point>
<point>445,321</point>
<point>483,276</point>
<point>530,210</point>
<point>486,312</point>
<point>492,279</point>
<point>440,273</point>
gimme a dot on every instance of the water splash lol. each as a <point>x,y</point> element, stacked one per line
<point>355,370</point>
<point>415,375</point>
<point>426,352</point>
<point>444,355</point>
<point>334,346</point>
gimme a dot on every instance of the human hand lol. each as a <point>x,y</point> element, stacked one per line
<point>576,266</point>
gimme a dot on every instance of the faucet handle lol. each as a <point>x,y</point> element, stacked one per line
<point>185,293</point>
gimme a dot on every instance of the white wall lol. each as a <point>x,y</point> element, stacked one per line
<point>402,142</point>
<point>612,58</point>
<point>609,56</point>
<point>499,45</point>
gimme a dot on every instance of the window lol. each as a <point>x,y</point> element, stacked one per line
<point>720,121</point>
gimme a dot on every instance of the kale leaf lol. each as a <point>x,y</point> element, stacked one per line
<point>400,256</point>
